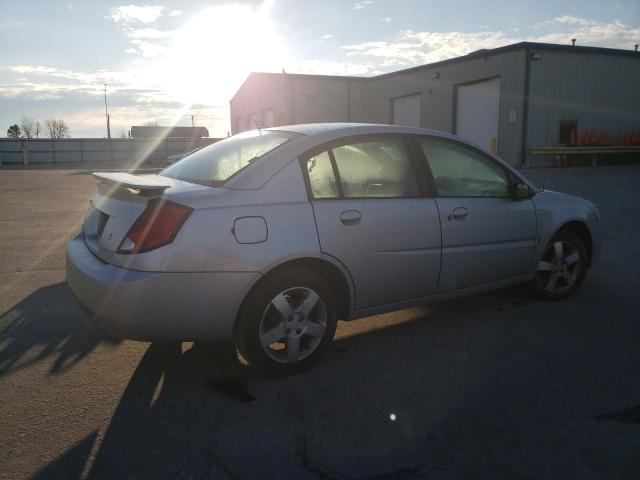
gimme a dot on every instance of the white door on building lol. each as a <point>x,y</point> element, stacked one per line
<point>478,113</point>
<point>406,110</point>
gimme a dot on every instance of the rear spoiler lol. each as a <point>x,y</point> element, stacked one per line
<point>126,180</point>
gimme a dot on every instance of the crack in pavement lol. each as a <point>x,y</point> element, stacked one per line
<point>33,270</point>
<point>300,437</point>
<point>400,474</point>
<point>318,470</point>
<point>214,461</point>
<point>630,415</point>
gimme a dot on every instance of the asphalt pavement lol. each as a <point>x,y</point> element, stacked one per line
<point>498,385</point>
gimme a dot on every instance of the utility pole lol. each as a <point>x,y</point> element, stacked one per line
<point>106,113</point>
<point>192,123</point>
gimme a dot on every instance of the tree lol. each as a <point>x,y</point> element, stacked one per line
<point>56,128</point>
<point>30,128</point>
<point>13,131</point>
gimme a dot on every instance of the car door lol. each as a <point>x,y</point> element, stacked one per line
<point>374,215</point>
<point>487,235</point>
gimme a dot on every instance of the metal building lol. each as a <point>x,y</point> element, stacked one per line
<point>509,100</point>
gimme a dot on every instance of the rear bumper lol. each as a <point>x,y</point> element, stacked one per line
<point>155,305</point>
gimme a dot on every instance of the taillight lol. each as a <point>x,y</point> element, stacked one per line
<point>157,226</point>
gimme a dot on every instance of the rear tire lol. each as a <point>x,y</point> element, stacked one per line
<point>287,322</point>
<point>562,267</point>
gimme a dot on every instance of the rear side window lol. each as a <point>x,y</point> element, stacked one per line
<point>459,171</point>
<point>379,168</point>
<point>321,177</point>
<point>214,164</point>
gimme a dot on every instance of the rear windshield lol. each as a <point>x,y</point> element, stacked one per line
<point>214,164</point>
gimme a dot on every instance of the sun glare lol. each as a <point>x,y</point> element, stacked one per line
<point>212,55</point>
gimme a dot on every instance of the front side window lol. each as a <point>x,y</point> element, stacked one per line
<point>459,171</point>
<point>377,168</point>
<point>214,164</point>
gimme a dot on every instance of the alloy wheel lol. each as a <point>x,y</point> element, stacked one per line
<point>559,267</point>
<point>293,325</point>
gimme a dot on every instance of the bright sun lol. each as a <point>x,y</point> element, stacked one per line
<point>212,55</point>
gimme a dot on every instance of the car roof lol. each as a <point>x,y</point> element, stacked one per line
<point>353,128</point>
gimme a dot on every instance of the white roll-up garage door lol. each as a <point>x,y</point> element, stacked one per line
<point>406,110</point>
<point>478,113</point>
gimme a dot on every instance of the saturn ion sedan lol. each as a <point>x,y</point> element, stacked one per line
<point>269,237</point>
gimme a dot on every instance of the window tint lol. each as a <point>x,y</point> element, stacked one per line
<point>462,172</point>
<point>321,178</point>
<point>214,164</point>
<point>377,168</point>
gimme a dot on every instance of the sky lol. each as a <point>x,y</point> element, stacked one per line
<point>166,61</point>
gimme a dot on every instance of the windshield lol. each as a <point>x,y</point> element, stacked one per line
<point>214,164</point>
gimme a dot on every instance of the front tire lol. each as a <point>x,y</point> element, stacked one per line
<point>562,267</point>
<point>287,322</point>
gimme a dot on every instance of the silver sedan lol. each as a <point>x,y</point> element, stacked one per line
<point>269,237</point>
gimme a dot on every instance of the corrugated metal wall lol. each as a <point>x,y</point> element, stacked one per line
<point>325,99</point>
<point>600,91</point>
<point>258,93</point>
<point>307,98</point>
<point>438,94</point>
<point>298,99</point>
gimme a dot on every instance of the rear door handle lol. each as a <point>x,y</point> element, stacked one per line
<point>350,217</point>
<point>460,213</point>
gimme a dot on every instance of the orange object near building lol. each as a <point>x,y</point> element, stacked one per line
<point>603,138</point>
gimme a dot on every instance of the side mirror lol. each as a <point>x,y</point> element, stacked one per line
<point>521,191</point>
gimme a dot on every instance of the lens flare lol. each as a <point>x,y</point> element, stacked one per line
<point>212,55</point>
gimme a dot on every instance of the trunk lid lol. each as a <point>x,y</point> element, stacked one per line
<point>120,200</point>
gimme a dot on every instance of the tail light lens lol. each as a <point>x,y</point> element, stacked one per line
<point>157,226</point>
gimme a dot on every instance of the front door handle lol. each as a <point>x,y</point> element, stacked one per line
<point>460,213</point>
<point>350,217</point>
